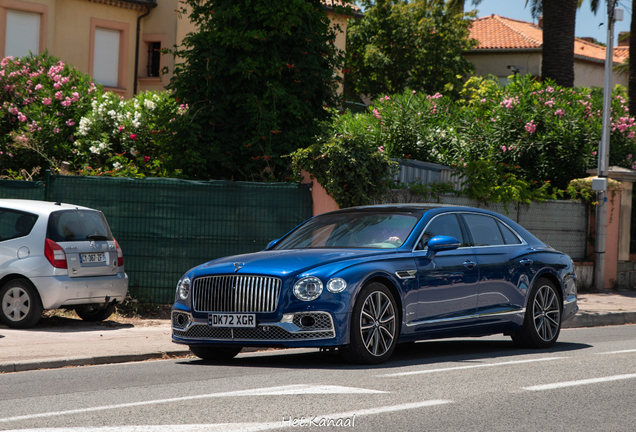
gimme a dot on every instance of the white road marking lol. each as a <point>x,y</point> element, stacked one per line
<point>244,427</point>
<point>617,352</point>
<point>296,389</point>
<point>580,382</point>
<point>471,367</point>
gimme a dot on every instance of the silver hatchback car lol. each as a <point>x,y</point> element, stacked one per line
<point>55,255</point>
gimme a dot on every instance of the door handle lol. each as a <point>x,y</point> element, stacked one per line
<point>469,264</point>
<point>526,262</point>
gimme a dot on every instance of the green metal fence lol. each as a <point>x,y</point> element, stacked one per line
<point>167,226</point>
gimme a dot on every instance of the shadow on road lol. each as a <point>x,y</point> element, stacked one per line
<point>67,325</point>
<point>465,351</point>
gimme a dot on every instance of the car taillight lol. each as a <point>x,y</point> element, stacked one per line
<point>55,254</point>
<point>120,255</point>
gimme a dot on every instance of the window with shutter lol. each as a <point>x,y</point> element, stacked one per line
<point>106,57</point>
<point>22,33</point>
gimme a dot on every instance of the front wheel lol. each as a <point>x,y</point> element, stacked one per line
<point>215,353</point>
<point>374,326</point>
<point>21,305</point>
<point>95,312</point>
<point>542,322</point>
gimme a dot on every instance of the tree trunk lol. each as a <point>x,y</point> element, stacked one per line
<point>631,89</point>
<point>559,17</point>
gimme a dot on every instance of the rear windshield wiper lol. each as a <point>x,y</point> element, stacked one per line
<point>97,237</point>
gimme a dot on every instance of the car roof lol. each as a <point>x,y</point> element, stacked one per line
<point>419,208</point>
<point>38,207</point>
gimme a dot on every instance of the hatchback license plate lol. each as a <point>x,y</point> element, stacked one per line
<point>92,258</point>
<point>232,320</point>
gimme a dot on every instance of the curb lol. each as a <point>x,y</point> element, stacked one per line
<point>89,361</point>
<point>589,319</point>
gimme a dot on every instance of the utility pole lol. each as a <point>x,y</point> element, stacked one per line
<point>600,184</point>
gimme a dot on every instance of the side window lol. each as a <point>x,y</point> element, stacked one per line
<point>508,236</point>
<point>446,225</point>
<point>484,230</point>
<point>14,224</point>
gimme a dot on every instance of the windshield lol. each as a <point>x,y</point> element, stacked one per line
<point>352,230</point>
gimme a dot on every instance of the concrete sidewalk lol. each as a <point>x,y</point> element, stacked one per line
<point>60,342</point>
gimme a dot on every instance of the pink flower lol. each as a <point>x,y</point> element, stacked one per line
<point>38,87</point>
<point>120,128</point>
<point>70,122</point>
<point>75,97</point>
<point>56,130</point>
<point>58,95</point>
<point>133,137</point>
<point>593,153</point>
<point>376,114</point>
<point>146,158</point>
<point>381,148</point>
<point>414,92</point>
<point>503,148</point>
<point>387,98</point>
<point>21,117</point>
<point>559,112</point>
<point>64,80</point>
<point>66,103</point>
<point>57,86</point>
<point>531,127</point>
<point>629,156</point>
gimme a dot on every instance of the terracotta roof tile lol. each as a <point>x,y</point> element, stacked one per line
<point>497,32</point>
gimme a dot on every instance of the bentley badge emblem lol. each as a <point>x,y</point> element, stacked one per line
<point>238,266</point>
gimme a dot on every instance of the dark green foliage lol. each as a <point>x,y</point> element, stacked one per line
<point>399,44</point>
<point>256,75</point>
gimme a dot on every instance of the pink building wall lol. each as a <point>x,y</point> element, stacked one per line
<point>322,201</point>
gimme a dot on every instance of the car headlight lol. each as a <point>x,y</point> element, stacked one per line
<point>183,288</point>
<point>336,285</point>
<point>308,288</point>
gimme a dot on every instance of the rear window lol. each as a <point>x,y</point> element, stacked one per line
<point>78,225</point>
<point>14,224</point>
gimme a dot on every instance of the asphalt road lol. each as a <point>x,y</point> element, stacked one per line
<point>586,382</point>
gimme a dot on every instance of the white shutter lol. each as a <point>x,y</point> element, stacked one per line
<point>106,57</point>
<point>23,33</point>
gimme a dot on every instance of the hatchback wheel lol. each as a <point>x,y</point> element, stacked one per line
<point>542,323</point>
<point>21,304</point>
<point>215,353</point>
<point>374,326</point>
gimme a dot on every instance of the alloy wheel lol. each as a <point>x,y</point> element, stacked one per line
<point>546,313</point>
<point>377,323</point>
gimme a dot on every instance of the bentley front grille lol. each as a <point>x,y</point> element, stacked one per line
<point>235,293</point>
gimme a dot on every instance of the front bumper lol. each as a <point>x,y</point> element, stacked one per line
<point>61,291</point>
<point>288,333</point>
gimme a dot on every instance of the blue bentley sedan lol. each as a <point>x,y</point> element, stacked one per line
<point>364,279</point>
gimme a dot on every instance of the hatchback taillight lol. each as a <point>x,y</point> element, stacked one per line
<point>120,255</point>
<point>55,254</point>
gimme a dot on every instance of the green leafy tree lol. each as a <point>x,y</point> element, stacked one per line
<point>399,44</point>
<point>257,76</point>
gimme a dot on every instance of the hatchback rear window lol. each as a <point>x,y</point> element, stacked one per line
<point>14,224</point>
<point>78,225</point>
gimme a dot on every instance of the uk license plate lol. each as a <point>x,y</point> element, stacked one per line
<point>232,320</point>
<point>92,258</point>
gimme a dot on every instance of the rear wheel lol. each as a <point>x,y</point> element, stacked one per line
<point>21,305</point>
<point>542,323</point>
<point>95,312</point>
<point>374,326</point>
<point>215,353</point>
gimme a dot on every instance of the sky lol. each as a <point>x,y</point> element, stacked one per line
<point>587,24</point>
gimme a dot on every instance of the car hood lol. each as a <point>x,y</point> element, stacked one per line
<point>284,262</point>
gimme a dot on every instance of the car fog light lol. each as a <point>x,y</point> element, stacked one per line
<point>183,288</point>
<point>308,288</point>
<point>336,285</point>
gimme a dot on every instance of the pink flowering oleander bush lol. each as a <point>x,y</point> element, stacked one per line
<point>41,102</point>
<point>131,137</point>
<point>534,132</point>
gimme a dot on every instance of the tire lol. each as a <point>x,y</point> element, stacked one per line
<point>95,312</point>
<point>542,322</point>
<point>21,304</point>
<point>374,326</point>
<point>215,353</point>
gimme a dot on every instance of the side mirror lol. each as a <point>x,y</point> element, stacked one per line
<point>441,243</point>
<point>272,243</point>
